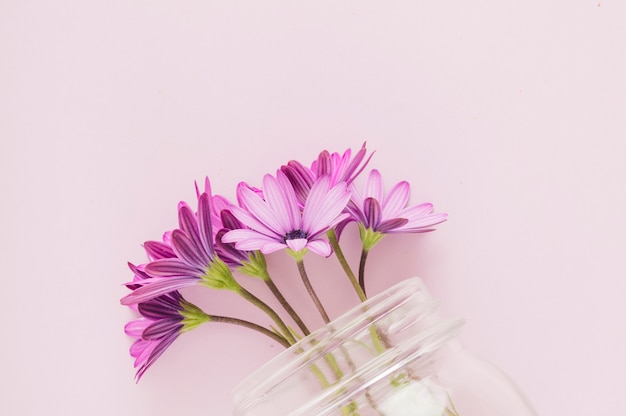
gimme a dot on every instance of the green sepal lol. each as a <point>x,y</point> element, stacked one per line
<point>193,316</point>
<point>256,266</point>
<point>219,276</point>
<point>298,255</point>
<point>369,237</point>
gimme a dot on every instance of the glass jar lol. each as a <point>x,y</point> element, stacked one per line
<point>392,355</point>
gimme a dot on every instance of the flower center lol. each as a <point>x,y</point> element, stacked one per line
<point>294,235</point>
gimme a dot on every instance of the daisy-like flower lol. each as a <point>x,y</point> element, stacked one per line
<point>277,222</point>
<point>162,320</point>
<point>379,214</point>
<point>222,221</point>
<point>339,168</point>
<point>194,261</point>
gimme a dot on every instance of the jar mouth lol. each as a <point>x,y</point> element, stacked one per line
<point>409,294</point>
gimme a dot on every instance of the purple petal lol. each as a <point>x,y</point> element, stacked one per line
<point>259,209</point>
<point>229,221</point>
<point>374,186</point>
<point>421,224</point>
<point>189,225</point>
<point>171,268</point>
<point>227,251</point>
<point>157,250</point>
<point>371,209</point>
<point>323,165</point>
<point>289,203</point>
<point>161,328</point>
<point>416,211</point>
<point>156,352</point>
<point>248,220</point>
<point>301,179</point>
<point>396,200</point>
<point>296,244</point>
<point>392,224</point>
<point>160,307</point>
<point>279,202</point>
<point>140,274</point>
<point>272,246</point>
<point>314,201</point>
<point>188,251</point>
<point>326,208</point>
<point>157,287</point>
<point>248,240</point>
<point>320,247</point>
<point>350,174</point>
<point>205,226</point>
<point>141,350</point>
<point>136,327</point>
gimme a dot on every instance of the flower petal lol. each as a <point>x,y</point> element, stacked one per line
<point>161,328</point>
<point>371,209</point>
<point>272,246</point>
<point>323,207</point>
<point>374,186</point>
<point>301,179</point>
<point>188,251</point>
<point>278,203</point>
<point>259,209</point>
<point>320,247</point>
<point>248,220</point>
<point>157,250</point>
<point>296,244</point>
<point>390,225</point>
<point>155,287</point>
<point>136,327</point>
<point>205,227</point>
<point>396,200</point>
<point>171,268</point>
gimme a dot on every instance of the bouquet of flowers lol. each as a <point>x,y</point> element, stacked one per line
<point>301,209</point>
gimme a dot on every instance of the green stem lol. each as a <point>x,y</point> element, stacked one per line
<point>269,311</point>
<point>332,238</point>
<point>309,288</point>
<point>229,320</point>
<point>285,304</point>
<point>362,262</point>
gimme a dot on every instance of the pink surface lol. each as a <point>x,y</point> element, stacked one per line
<point>510,116</point>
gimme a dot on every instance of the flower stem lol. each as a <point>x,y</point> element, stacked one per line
<point>309,288</point>
<point>229,320</point>
<point>287,306</point>
<point>256,266</point>
<point>283,301</point>
<point>269,311</point>
<point>362,262</point>
<point>332,238</point>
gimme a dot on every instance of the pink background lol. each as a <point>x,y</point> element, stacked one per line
<point>508,115</point>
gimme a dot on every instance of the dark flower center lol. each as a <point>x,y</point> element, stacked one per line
<point>294,235</point>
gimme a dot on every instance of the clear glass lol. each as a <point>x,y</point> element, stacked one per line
<point>393,355</point>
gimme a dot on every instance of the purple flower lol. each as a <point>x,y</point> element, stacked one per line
<point>222,221</point>
<point>339,168</point>
<point>378,213</point>
<point>277,222</point>
<point>162,320</point>
<point>193,261</point>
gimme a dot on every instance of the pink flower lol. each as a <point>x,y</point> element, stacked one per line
<point>162,320</point>
<point>389,213</point>
<point>182,263</point>
<point>339,168</point>
<point>277,222</point>
<point>157,329</point>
